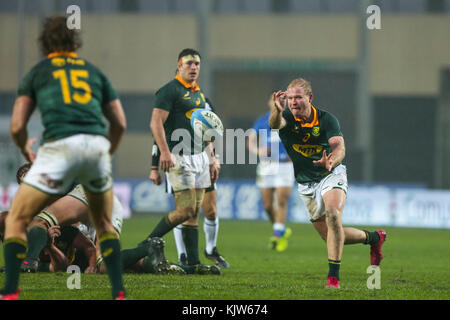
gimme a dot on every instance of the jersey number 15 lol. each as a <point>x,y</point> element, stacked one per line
<point>76,83</point>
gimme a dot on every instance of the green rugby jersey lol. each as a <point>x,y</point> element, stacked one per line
<point>180,99</point>
<point>305,143</point>
<point>69,93</point>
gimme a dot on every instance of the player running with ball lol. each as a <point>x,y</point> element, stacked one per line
<point>315,143</point>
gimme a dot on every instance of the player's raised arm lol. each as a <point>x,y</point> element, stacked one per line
<point>113,111</point>
<point>22,110</point>
<point>276,120</point>
<point>159,117</point>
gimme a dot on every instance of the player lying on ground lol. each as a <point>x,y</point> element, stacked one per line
<point>73,209</point>
<point>69,245</point>
<point>315,144</point>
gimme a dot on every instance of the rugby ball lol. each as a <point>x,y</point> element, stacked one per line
<point>206,125</point>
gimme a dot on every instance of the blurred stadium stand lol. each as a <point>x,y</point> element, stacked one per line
<point>136,43</point>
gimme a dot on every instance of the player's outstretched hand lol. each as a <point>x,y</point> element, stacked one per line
<point>279,100</point>
<point>325,161</point>
<point>155,177</point>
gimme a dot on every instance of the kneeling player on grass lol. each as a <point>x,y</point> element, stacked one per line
<point>314,142</point>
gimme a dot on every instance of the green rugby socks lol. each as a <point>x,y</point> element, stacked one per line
<point>333,268</point>
<point>14,250</point>
<point>110,248</point>
<point>163,227</point>
<point>371,237</point>
<point>37,238</point>
<point>190,239</point>
<point>132,256</point>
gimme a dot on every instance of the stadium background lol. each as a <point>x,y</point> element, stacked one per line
<point>389,88</point>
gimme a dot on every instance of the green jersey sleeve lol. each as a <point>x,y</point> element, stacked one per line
<point>165,98</point>
<point>332,126</point>
<point>26,85</point>
<point>108,92</point>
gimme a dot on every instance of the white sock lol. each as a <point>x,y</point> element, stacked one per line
<point>211,228</point>
<point>279,227</point>
<point>181,248</point>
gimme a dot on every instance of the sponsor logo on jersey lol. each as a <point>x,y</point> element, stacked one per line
<point>315,131</point>
<point>59,62</point>
<point>307,150</point>
<point>186,96</point>
<point>78,62</point>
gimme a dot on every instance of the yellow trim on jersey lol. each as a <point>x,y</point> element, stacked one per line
<point>193,87</point>
<point>311,124</point>
<point>62,54</point>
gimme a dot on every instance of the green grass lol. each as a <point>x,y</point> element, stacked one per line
<point>416,265</point>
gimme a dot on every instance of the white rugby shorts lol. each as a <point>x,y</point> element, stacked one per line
<point>312,193</point>
<point>189,172</point>
<point>84,157</point>
<point>275,174</point>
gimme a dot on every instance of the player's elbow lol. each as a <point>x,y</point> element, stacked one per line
<point>17,127</point>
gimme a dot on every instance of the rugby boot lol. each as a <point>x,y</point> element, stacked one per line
<point>376,254</point>
<point>156,255</point>
<point>121,296</point>
<point>183,259</point>
<point>204,269</point>
<point>29,265</point>
<point>217,259</point>
<point>282,242</point>
<point>10,296</point>
<point>332,282</point>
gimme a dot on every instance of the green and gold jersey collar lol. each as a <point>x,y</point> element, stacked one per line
<point>193,88</point>
<point>314,122</point>
<point>62,54</point>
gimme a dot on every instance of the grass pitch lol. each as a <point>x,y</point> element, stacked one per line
<point>415,267</point>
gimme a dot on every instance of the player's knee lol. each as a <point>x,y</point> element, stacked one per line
<point>210,211</point>
<point>189,212</point>
<point>269,208</point>
<point>333,217</point>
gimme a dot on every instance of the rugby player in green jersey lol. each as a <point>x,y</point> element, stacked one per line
<point>192,169</point>
<point>72,96</point>
<point>315,144</point>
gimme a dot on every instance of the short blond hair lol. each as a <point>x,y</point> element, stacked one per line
<point>300,82</point>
